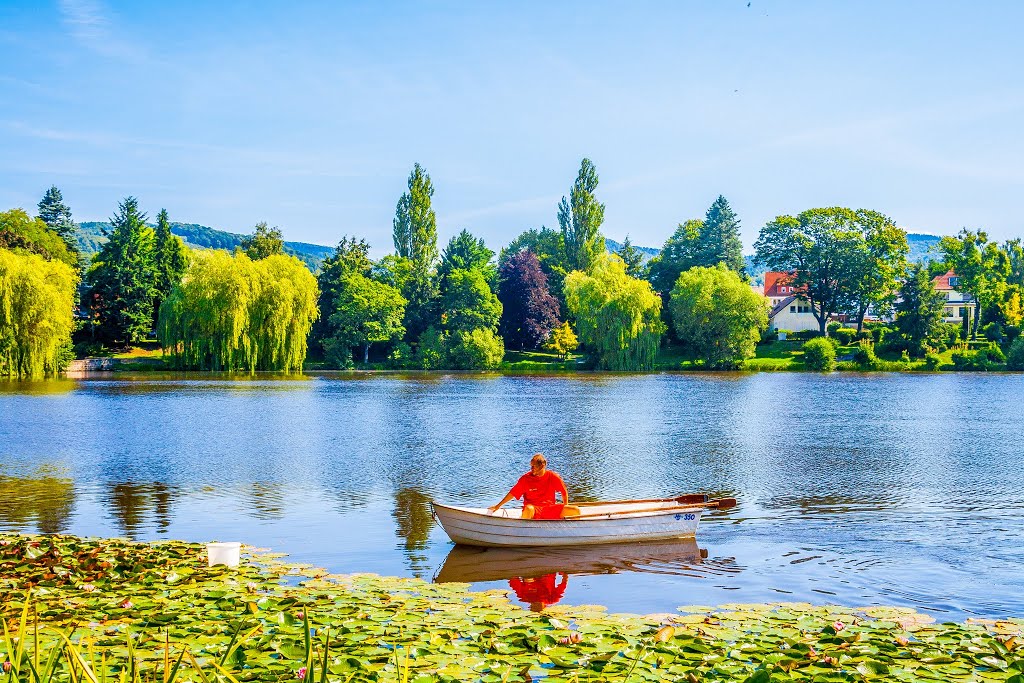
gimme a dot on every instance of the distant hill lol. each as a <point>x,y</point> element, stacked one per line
<point>91,238</point>
<point>612,246</point>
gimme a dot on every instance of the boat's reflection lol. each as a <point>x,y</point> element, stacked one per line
<point>539,576</point>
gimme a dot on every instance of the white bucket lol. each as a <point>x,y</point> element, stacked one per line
<point>224,553</point>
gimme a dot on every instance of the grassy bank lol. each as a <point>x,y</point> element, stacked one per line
<point>88,611</point>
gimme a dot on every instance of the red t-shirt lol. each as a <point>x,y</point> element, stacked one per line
<point>540,490</point>
<point>542,589</point>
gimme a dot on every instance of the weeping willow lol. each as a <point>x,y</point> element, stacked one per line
<point>232,313</point>
<point>37,301</point>
<point>617,316</point>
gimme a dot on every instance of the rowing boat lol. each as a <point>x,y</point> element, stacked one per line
<point>607,522</point>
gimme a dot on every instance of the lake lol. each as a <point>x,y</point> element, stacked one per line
<point>853,489</point>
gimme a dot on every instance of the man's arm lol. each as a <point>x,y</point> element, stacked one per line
<point>507,498</point>
<point>564,491</point>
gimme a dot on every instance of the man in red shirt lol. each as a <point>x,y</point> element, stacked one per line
<point>537,488</point>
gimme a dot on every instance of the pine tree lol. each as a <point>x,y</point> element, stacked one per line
<point>121,278</point>
<point>57,215</point>
<point>580,217</point>
<point>720,237</point>
<point>169,259</point>
<point>632,257</point>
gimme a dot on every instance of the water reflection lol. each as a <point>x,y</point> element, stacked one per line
<point>137,507</point>
<point>413,522</point>
<point>43,499</point>
<point>539,576</point>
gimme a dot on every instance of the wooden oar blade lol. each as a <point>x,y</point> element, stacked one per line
<point>691,499</point>
<point>725,503</point>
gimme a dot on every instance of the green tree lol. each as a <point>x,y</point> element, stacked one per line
<point>919,310</point>
<point>468,303</point>
<point>465,252</point>
<point>632,257</point>
<point>415,223</point>
<point>878,264</point>
<point>263,242</point>
<point>121,287</point>
<point>37,300</point>
<point>717,315</point>
<point>982,267</point>
<point>479,349</point>
<point>820,248</point>
<point>720,237</point>
<point>170,258</point>
<point>580,217</point>
<point>57,215</point>
<point>21,232</point>
<point>618,317</point>
<point>366,312</point>
<point>231,312</point>
<point>351,256</point>
<point>680,252</point>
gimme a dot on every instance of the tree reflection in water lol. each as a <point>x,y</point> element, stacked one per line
<point>413,523</point>
<point>132,504</point>
<point>44,499</point>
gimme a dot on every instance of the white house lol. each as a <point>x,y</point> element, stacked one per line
<point>789,311</point>
<point>957,303</point>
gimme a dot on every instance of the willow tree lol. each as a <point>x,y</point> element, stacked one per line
<point>617,316</point>
<point>37,301</point>
<point>232,313</point>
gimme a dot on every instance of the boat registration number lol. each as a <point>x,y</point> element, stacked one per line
<point>689,516</point>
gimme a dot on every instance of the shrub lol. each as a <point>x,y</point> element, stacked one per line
<point>1015,359</point>
<point>431,349</point>
<point>769,336</point>
<point>879,332</point>
<point>820,355</point>
<point>1012,332</point>
<point>932,361</point>
<point>401,356</point>
<point>480,349</point>
<point>844,335</point>
<point>981,359</point>
<point>804,335</point>
<point>865,335</point>
<point>865,357</point>
<point>994,332</point>
<point>833,326</point>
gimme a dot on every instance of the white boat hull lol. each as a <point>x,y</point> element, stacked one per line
<point>601,523</point>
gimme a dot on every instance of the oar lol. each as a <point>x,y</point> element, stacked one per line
<point>701,499</point>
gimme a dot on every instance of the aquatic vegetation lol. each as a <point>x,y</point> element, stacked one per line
<point>91,610</point>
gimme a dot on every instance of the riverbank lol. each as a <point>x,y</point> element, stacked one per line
<point>91,608</point>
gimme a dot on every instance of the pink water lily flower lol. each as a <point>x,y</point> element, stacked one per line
<point>838,626</point>
<point>127,604</point>
<point>301,673</point>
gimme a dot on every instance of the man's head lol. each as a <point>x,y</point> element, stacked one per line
<point>538,463</point>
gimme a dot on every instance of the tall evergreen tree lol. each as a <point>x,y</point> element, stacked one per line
<point>680,252</point>
<point>918,310</point>
<point>121,278</point>
<point>632,257</point>
<point>580,217</point>
<point>720,238</point>
<point>169,259</point>
<point>350,257</point>
<point>57,216</point>
<point>465,252</point>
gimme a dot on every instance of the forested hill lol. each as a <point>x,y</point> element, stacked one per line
<point>90,239</point>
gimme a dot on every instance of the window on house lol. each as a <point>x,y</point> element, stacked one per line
<point>948,312</point>
<point>954,281</point>
<point>792,309</point>
<point>963,311</point>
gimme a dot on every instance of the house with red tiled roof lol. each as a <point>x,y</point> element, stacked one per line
<point>957,304</point>
<point>789,310</point>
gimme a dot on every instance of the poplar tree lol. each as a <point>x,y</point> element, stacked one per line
<point>121,278</point>
<point>580,217</point>
<point>415,238</point>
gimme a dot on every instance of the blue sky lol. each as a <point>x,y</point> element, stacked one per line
<point>310,115</point>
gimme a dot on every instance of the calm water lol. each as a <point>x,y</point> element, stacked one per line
<point>873,489</point>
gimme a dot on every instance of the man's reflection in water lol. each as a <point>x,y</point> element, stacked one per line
<point>539,592</point>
